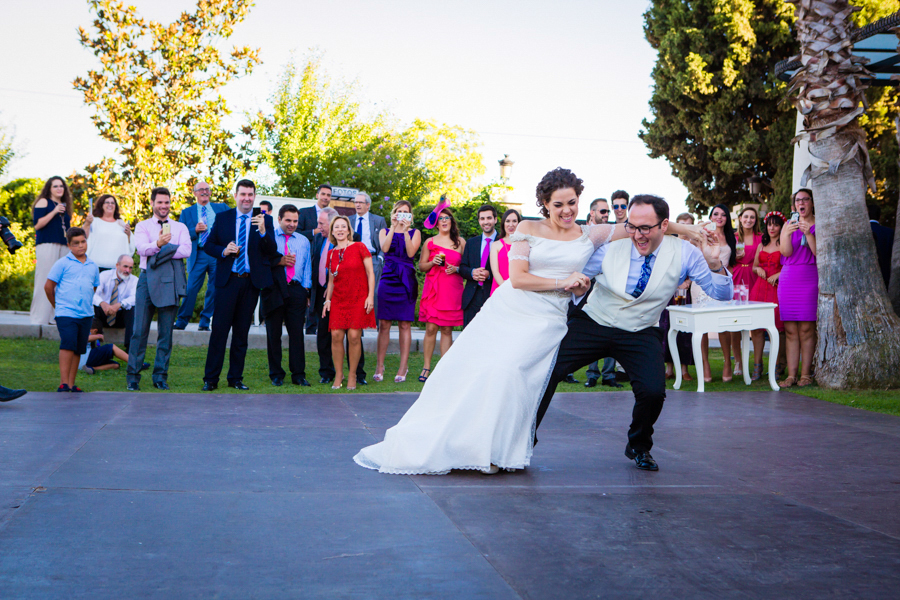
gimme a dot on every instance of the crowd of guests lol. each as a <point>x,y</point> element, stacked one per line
<point>315,271</point>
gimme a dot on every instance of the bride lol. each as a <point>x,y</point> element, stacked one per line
<point>477,410</point>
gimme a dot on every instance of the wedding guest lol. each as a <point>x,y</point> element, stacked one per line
<point>475,267</point>
<point>598,215</point>
<point>109,237</point>
<point>442,292</point>
<point>728,255</point>
<point>619,201</point>
<point>115,298</point>
<point>309,225</point>
<point>398,287</point>
<point>349,299</point>
<point>244,247</point>
<point>286,301</point>
<point>69,289</point>
<point>767,267</point>
<point>367,227</point>
<point>163,244</point>
<point>51,214</point>
<point>747,240</point>
<point>199,219</point>
<point>266,208</point>
<point>500,249</point>
<point>798,289</point>
<point>100,357</point>
<point>884,242</point>
<point>599,212</point>
<point>684,340</point>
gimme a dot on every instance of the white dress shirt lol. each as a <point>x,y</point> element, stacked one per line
<point>366,235</point>
<point>127,289</point>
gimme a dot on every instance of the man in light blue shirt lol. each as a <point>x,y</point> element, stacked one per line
<point>70,289</point>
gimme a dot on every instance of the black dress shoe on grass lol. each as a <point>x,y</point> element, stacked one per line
<point>302,381</point>
<point>278,381</point>
<point>591,382</point>
<point>642,460</point>
<point>326,380</point>
<point>612,383</point>
<point>362,381</point>
<point>161,385</point>
<point>133,387</point>
<point>238,385</point>
<point>570,378</point>
<point>209,386</point>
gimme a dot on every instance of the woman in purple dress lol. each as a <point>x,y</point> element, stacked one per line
<point>798,289</point>
<point>398,286</point>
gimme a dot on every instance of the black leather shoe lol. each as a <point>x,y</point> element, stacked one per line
<point>144,367</point>
<point>642,460</point>
<point>203,328</point>
<point>209,386</point>
<point>302,381</point>
<point>133,387</point>
<point>161,385</point>
<point>238,385</point>
<point>612,383</point>
<point>326,380</point>
<point>179,326</point>
<point>591,382</point>
<point>361,381</point>
<point>570,378</point>
<point>277,381</point>
<point>7,394</point>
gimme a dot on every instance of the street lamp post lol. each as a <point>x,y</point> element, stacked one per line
<point>505,168</point>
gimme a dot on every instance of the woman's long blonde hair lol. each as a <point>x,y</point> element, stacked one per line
<point>331,237</point>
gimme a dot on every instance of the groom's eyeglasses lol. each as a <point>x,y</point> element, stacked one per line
<point>643,229</point>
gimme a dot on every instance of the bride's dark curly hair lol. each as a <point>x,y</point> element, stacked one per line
<point>556,179</point>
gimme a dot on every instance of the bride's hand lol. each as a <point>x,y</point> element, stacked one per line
<point>576,281</point>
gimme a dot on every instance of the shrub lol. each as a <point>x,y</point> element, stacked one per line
<point>17,271</point>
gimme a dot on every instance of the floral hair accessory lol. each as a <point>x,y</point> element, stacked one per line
<point>432,219</point>
<point>774,213</point>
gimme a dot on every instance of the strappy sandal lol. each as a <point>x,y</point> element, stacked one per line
<point>378,377</point>
<point>424,376</point>
<point>401,378</point>
<point>805,381</point>
<point>788,382</point>
<point>757,372</point>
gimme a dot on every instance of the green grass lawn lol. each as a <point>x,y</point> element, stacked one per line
<point>33,364</point>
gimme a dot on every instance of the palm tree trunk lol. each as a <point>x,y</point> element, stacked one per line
<point>859,333</point>
<point>894,282</point>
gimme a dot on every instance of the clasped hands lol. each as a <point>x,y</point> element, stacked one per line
<point>110,309</point>
<point>577,283</point>
<point>480,274</point>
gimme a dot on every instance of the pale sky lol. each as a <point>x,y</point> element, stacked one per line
<point>550,84</point>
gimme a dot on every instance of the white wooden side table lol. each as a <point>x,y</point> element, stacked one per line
<point>716,316</point>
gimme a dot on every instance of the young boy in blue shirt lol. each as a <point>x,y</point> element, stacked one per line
<point>70,289</point>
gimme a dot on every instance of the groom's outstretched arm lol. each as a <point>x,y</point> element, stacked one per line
<point>719,286</point>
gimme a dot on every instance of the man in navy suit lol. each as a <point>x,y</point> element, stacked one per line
<point>884,242</point>
<point>199,218</point>
<point>308,218</point>
<point>243,246</point>
<point>475,264</point>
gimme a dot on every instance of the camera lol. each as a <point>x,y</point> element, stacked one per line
<point>12,244</point>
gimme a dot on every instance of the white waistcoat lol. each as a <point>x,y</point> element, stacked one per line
<point>611,306</point>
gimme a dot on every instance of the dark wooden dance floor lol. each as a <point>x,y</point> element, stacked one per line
<point>759,495</point>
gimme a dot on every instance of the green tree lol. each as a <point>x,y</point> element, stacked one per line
<point>715,103</point>
<point>156,96</point>
<point>6,149</point>
<point>321,132</point>
<point>16,199</point>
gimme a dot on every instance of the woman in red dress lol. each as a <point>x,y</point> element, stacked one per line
<point>747,238</point>
<point>441,305</point>
<point>350,298</point>
<point>767,268</point>
<point>500,249</point>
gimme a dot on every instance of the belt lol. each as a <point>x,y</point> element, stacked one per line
<point>241,275</point>
<point>294,282</point>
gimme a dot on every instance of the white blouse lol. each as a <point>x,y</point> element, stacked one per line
<point>108,242</point>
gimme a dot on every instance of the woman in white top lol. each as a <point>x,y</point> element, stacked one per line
<point>109,237</point>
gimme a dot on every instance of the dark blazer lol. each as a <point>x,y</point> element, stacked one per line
<point>191,216</point>
<point>316,249</point>
<point>166,278</point>
<point>273,297</point>
<point>260,250</point>
<point>884,245</point>
<point>471,259</point>
<point>376,224</point>
<point>308,221</point>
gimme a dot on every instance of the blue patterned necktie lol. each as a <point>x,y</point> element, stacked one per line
<point>205,234</point>
<point>242,242</point>
<point>644,278</point>
<point>359,227</point>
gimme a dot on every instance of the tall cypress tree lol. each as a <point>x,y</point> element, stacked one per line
<point>718,115</point>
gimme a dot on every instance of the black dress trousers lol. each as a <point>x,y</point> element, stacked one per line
<point>292,313</point>
<point>234,311</point>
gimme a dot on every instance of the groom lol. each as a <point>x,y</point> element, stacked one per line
<point>635,279</point>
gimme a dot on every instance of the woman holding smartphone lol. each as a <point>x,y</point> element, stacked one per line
<point>798,288</point>
<point>51,214</point>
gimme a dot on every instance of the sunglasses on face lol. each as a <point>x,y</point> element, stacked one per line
<point>620,206</point>
<point>603,211</point>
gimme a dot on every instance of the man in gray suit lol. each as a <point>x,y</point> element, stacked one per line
<point>163,244</point>
<point>366,228</point>
<point>199,219</point>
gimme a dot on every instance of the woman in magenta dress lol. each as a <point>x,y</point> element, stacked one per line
<point>441,305</point>
<point>500,249</point>
<point>747,238</point>
<point>767,268</point>
<point>398,287</point>
<point>798,289</point>
<point>350,298</point>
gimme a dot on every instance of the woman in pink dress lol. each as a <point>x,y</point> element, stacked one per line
<point>500,248</point>
<point>767,268</point>
<point>798,289</point>
<point>441,305</point>
<point>747,238</point>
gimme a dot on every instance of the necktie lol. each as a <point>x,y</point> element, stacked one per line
<point>113,298</point>
<point>643,279</point>
<point>205,234</point>
<point>323,264</point>
<point>359,227</point>
<point>242,243</point>
<point>288,271</point>
<point>485,255</point>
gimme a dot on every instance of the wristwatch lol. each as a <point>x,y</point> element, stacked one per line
<point>720,269</point>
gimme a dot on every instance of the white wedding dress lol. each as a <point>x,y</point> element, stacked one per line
<point>480,403</point>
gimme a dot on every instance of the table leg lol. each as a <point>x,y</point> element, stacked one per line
<point>773,356</point>
<point>698,359</point>
<point>676,359</point>
<point>745,355</point>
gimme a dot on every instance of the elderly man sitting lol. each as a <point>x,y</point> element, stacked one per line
<point>114,297</point>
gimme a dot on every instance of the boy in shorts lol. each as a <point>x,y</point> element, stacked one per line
<point>70,289</point>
